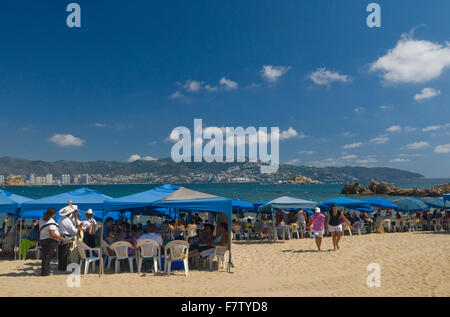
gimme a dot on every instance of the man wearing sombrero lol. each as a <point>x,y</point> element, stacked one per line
<point>89,228</point>
<point>68,227</point>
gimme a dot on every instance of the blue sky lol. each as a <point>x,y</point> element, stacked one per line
<point>344,94</point>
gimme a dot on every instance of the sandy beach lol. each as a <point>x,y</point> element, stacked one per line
<point>412,264</point>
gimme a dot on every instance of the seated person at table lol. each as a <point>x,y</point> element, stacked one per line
<point>220,240</point>
<point>191,225</point>
<point>248,225</point>
<point>197,219</point>
<point>205,238</point>
<point>293,217</point>
<point>182,221</point>
<point>279,218</point>
<point>235,226</point>
<point>151,234</point>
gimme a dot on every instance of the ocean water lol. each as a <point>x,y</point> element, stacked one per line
<point>248,192</point>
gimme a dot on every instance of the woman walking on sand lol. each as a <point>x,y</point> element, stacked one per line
<point>318,227</point>
<point>333,224</point>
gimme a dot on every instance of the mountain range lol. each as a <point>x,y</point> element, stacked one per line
<point>166,167</point>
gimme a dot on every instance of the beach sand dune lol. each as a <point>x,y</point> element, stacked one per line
<point>412,264</point>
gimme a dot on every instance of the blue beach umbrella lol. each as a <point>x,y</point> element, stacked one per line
<point>380,202</point>
<point>434,202</point>
<point>447,200</point>
<point>346,203</point>
<point>410,205</point>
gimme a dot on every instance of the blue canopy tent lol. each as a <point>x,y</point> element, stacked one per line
<point>410,205</point>
<point>446,199</point>
<point>286,202</point>
<point>380,202</point>
<point>242,206</point>
<point>434,202</point>
<point>11,203</point>
<point>346,203</point>
<point>172,197</point>
<point>84,198</point>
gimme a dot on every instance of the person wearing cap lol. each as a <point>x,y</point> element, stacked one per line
<point>68,227</point>
<point>318,226</point>
<point>89,226</point>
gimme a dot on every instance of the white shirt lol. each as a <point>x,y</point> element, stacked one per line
<point>67,226</point>
<point>86,223</point>
<point>154,236</point>
<point>45,232</point>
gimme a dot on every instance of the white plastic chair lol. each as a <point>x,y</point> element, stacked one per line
<point>345,227</point>
<point>387,225</point>
<point>294,230</point>
<point>148,249</point>
<point>109,258</point>
<point>121,249</point>
<point>82,249</point>
<point>190,233</point>
<point>220,254</point>
<point>176,250</point>
<point>36,249</point>
<point>436,223</point>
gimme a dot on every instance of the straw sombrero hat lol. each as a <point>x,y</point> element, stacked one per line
<point>89,212</point>
<point>68,210</point>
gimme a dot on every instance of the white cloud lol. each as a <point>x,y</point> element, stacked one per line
<point>307,152</point>
<point>359,109</point>
<point>290,133</point>
<point>136,157</point>
<point>442,149</point>
<point>349,157</point>
<point>192,85</point>
<point>398,160</point>
<point>367,161</point>
<point>65,140</point>
<point>417,145</point>
<point>177,95</point>
<point>409,129</point>
<point>413,61</point>
<point>436,127</point>
<point>273,73</point>
<point>228,83</point>
<point>352,145</point>
<point>427,93</point>
<point>322,76</point>
<point>385,107</point>
<point>100,125</point>
<point>293,162</point>
<point>380,140</point>
<point>394,128</point>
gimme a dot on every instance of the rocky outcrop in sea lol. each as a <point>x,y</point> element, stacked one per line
<point>384,188</point>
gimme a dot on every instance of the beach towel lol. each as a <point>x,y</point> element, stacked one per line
<point>25,245</point>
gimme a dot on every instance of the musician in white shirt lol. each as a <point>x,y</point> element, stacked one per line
<point>48,239</point>
<point>69,226</point>
<point>89,226</point>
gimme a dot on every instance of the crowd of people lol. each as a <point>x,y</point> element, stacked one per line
<point>319,223</point>
<point>201,234</point>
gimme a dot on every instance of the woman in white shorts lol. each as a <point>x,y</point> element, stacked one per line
<point>333,225</point>
<point>318,226</point>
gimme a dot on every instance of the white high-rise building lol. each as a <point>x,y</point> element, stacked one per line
<point>65,179</point>
<point>2,178</point>
<point>32,179</point>
<point>49,179</point>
